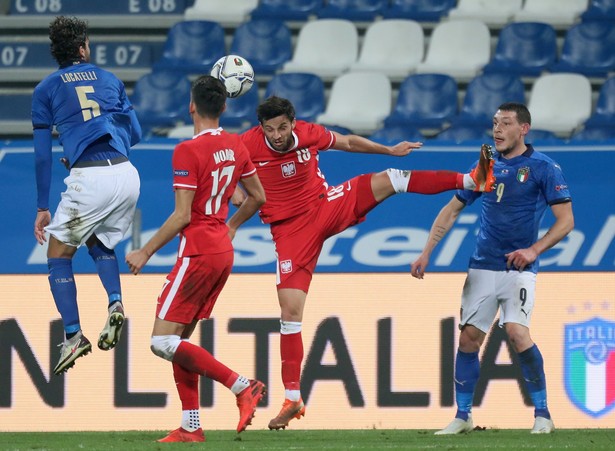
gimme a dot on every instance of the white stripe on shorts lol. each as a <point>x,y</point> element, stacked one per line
<point>173,291</point>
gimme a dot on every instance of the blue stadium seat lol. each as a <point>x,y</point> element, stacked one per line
<point>599,10</point>
<point>425,101</point>
<point>604,113</point>
<point>461,133</point>
<point>192,47</point>
<point>357,10</point>
<point>594,134</point>
<point>291,10</point>
<point>266,44</point>
<point>485,94</point>
<point>389,136</point>
<point>525,49</point>
<point>589,49</point>
<point>161,99</point>
<point>536,136</point>
<point>305,91</point>
<point>419,10</point>
<point>241,111</point>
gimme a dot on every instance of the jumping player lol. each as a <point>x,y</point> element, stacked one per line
<point>97,126</point>
<point>303,211</point>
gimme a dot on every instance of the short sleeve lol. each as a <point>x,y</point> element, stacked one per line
<point>185,168</point>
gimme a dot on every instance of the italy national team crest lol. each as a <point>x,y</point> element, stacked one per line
<point>523,174</point>
<point>589,365</point>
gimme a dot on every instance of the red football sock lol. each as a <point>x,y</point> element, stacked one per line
<point>434,182</point>
<point>187,383</point>
<point>291,351</point>
<point>200,361</point>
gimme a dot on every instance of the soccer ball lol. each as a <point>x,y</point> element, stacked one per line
<point>236,73</point>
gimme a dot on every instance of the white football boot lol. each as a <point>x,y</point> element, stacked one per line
<point>457,426</point>
<point>543,425</point>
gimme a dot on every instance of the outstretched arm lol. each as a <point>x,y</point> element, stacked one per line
<point>564,223</point>
<point>174,224</point>
<point>440,227</point>
<point>359,144</point>
<point>254,198</point>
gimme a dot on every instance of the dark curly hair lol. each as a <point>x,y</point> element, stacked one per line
<point>273,107</point>
<point>67,34</point>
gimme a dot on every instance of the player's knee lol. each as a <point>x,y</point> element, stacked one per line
<point>399,179</point>
<point>165,346</point>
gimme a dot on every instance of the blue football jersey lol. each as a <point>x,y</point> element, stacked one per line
<point>85,102</point>
<point>511,214</point>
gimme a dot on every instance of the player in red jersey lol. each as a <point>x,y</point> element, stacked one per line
<point>206,172</point>
<point>303,211</point>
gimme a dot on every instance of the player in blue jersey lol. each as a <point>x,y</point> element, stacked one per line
<point>502,270</point>
<point>97,126</point>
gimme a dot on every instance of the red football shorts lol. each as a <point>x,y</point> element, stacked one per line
<point>299,240</point>
<point>192,287</point>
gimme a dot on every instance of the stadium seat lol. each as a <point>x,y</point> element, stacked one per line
<point>559,13</point>
<point>485,94</point>
<point>492,12</point>
<point>287,10</point>
<point>461,133</point>
<point>525,49</point>
<point>589,49</point>
<point>241,111</point>
<point>305,91</point>
<point>600,10</point>
<point>192,47</point>
<point>394,47</point>
<point>459,48</point>
<point>161,100</point>
<point>536,136</point>
<point>425,101</point>
<point>594,134</point>
<point>358,101</point>
<point>560,102</point>
<point>266,44</point>
<point>419,10</point>
<point>389,136</point>
<point>225,12</point>
<point>315,52</point>
<point>604,113</point>
<point>357,10</point>
<point>15,113</point>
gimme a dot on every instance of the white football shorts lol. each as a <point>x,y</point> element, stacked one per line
<point>484,292</point>
<point>100,200</point>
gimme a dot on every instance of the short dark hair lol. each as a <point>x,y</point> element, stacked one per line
<point>273,107</point>
<point>523,114</point>
<point>67,34</point>
<point>209,96</point>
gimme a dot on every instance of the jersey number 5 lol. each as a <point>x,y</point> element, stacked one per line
<point>212,206</point>
<point>89,108</point>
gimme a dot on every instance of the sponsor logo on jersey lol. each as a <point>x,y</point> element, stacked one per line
<point>288,169</point>
<point>561,187</point>
<point>589,365</point>
<point>523,174</point>
<point>181,173</point>
<point>286,266</point>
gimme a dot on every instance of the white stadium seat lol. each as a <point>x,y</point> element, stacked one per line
<point>393,46</point>
<point>459,48</point>
<point>560,13</point>
<point>225,12</point>
<point>492,12</point>
<point>359,101</point>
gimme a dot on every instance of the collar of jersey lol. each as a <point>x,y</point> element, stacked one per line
<point>213,131</point>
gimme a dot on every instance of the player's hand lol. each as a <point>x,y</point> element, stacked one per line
<point>238,197</point>
<point>404,148</point>
<point>136,260</point>
<point>417,269</point>
<point>521,258</point>
<point>43,218</point>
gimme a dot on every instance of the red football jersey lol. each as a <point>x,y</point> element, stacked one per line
<point>211,164</point>
<point>292,180</point>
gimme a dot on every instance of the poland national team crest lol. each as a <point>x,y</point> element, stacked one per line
<point>589,365</point>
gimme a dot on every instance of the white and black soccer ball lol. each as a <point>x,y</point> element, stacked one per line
<point>236,73</point>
